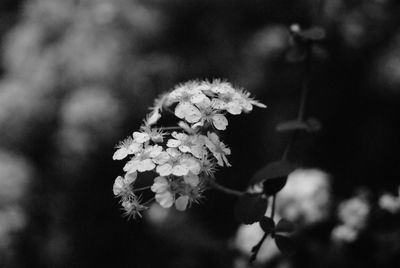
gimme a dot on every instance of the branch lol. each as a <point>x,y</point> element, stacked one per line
<point>257,247</point>
<point>224,189</point>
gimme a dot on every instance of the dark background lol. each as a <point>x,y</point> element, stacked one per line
<point>78,76</point>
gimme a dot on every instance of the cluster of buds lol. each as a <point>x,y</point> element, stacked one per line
<point>183,157</point>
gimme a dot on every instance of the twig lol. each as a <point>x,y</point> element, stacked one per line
<point>170,128</point>
<point>141,189</point>
<point>257,247</point>
<point>224,189</point>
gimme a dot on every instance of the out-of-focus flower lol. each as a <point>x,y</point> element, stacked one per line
<point>306,198</point>
<point>249,235</point>
<point>15,176</point>
<point>12,219</point>
<point>83,115</point>
<point>353,214</point>
<point>390,202</point>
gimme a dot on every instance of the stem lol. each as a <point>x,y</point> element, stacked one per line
<point>149,201</point>
<point>170,128</point>
<point>224,189</point>
<point>272,215</point>
<point>303,98</point>
<point>141,189</point>
<point>306,82</point>
<point>300,117</point>
<point>257,247</point>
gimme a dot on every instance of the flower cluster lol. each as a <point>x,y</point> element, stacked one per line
<point>184,156</point>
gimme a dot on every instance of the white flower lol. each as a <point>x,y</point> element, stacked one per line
<point>125,148</point>
<point>122,185</point>
<point>187,143</point>
<point>217,148</point>
<point>189,164</point>
<point>390,202</point>
<point>219,87</point>
<point>141,137</point>
<point>152,118</point>
<point>168,166</point>
<point>143,161</point>
<point>156,135</point>
<point>210,115</point>
<point>248,102</point>
<point>354,212</point>
<point>163,195</point>
<point>187,95</point>
<point>191,179</point>
<point>182,202</point>
<point>132,206</point>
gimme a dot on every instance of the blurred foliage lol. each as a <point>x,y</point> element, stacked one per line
<point>78,75</point>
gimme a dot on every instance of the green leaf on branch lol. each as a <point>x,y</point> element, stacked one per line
<point>291,126</point>
<point>267,224</point>
<point>250,208</point>
<point>310,125</point>
<point>285,244</point>
<point>273,176</point>
<point>272,186</point>
<point>285,227</point>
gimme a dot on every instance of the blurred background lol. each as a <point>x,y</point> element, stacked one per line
<point>77,76</point>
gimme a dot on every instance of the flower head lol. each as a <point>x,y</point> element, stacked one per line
<point>183,158</point>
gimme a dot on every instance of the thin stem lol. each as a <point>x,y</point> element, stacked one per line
<point>272,215</point>
<point>306,82</point>
<point>257,247</point>
<point>303,98</point>
<point>141,189</point>
<point>224,189</point>
<point>149,201</point>
<point>170,128</point>
<point>288,146</point>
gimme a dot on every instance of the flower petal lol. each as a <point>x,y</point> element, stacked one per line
<point>191,179</point>
<point>118,185</point>
<point>164,170</point>
<point>182,202</point>
<point>180,170</point>
<point>120,154</point>
<point>165,199</point>
<point>130,177</point>
<point>220,122</point>
<point>172,143</point>
<point>140,137</point>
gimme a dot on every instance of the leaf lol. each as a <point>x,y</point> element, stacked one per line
<point>285,226</point>
<point>267,224</point>
<point>274,170</point>
<point>310,125</point>
<point>291,126</point>
<point>274,185</point>
<point>250,208</point>
<point>285,244</point>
